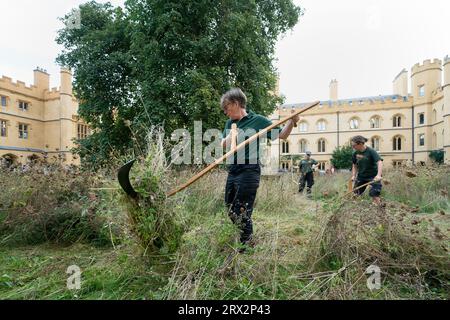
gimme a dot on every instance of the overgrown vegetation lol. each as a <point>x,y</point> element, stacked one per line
<point>305,249</point>
<point>55,204</point>
<point>154,223</point>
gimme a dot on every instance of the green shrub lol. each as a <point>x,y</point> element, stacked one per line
<point>342,157</point>
<point>437,156</point>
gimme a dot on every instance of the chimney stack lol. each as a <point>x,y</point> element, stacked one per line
<point>333,90</point>
<point>41,79</point>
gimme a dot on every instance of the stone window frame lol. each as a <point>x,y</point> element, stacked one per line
<point>301,150</point>
<point>324,125</point>
<point>379,122</point>
<point>358,123</point>
<point>24,102</point>
<point>304,122</point>
<point>421,91</point>
<point>421,139</point>
<point>5,99</point>
<point>3,128</point>
<point>372,145</point>
<point>321,145</point>
<point>419,118</point>
<point>25,130</point>
<point>395,145</point>
<point>399,116</point>
<point>285,147</point>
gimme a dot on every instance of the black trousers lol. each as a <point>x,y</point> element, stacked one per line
<point>240,193</point>
<point>374,191</point>
<point>308,179</point>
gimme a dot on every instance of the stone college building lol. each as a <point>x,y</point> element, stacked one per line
<point>403,127</point>
<point>36,122</point>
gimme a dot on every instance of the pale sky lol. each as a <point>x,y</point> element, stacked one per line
<point>363,44</point>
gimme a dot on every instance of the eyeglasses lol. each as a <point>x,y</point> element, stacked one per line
<point>225,107</point>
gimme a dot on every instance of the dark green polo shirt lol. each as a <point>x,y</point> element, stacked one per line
<point>306,165</point>
<point>366,162</point>
<point>248,126</point>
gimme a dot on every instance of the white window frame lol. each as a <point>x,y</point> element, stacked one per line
<point>303,126</point>
<point>3,99</point>
<point>23,105</point>
<point>321,165</point>
<point>419,118</point>
<point>354,123</point>
<point>321,145</point>
<point>396,144</point>
<point>375,143</point>
<point>375,122</point>
<point>23,131</point>
<point>421,139</point>
<point>303,145</point>
<point>396,120</point>
<point>3,128</point>
<point>422,91</point>
<point>321,125</point>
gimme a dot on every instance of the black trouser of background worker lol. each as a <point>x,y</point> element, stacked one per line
<point>308,179</point>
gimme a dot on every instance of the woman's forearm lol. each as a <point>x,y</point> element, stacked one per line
<point>354,171</point>
<point>380,168</point>
<point>286,130</point>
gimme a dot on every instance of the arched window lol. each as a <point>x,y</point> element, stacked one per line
<point>421,139</point>
<point>375,143</point>
<point>374,122</point>
<point>321,166</point>
<point>397,121</point>
<point>285,147</point>
<point>303,146</point>
<point>354,123</point>
<point>321,145</point>
<point>421,118</point>
<point>321,125</point>
<point>285,165</point>
<point>303,126</point>
<point>397,143</point>
<point>434,116</point>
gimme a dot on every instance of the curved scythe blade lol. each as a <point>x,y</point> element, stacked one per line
<point>123,175</point>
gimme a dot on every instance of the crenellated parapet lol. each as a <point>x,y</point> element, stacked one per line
<point>54,93</point>
<point>354,104</point>
<point>19,86</point>
<point>426,65</point>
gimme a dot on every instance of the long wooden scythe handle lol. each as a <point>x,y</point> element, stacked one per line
<point>239,147</point>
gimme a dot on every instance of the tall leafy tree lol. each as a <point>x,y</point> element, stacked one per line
<point>99,56</point>
<point>168,62</point>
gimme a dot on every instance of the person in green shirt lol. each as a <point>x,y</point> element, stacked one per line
<point>307,175</point>
<point>367,166</point>
<point>244,172</point>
